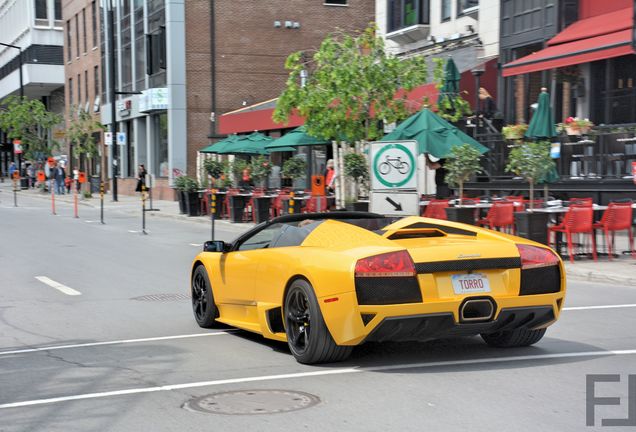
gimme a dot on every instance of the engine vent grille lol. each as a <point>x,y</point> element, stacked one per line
<point>387,290</point>
<point>541,280</point>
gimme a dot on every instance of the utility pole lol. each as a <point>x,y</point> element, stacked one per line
<point>113,95</point>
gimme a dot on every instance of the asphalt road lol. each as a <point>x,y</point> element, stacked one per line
<point>97,334</point>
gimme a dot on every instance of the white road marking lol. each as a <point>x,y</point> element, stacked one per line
<point>339,371</point>
<point>133,231</point>
<point>91,221</point>
<point>58,286</point>
<point>600,307</point>
<point>196,244</point>
<point>117,342</point>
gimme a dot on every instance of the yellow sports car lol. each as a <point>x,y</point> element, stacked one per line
<point>326,282</point>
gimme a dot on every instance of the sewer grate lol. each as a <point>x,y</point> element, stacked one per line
<point>247,402</point>
<point>162,297</point>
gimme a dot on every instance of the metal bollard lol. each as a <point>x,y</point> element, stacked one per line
<point>291,202</point>
<point>213,210</point>
<point>101,202</point>
<point>143,209</point>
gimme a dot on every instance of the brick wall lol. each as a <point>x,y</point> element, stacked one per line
<point>250,52</point>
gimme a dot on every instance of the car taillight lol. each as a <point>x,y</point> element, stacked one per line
<point>392,264</point>
<point>534,257</point>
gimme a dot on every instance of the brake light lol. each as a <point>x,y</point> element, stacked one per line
<point>534,257</point>
<point>392,264</point>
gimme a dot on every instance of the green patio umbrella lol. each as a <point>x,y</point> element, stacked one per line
<point>542,126</point>
<point>253,143</point>
<point>451,81</point>
<point>295,138</point>
<point>433,134</point>
<point>220,145</point>
<point>542,122</point>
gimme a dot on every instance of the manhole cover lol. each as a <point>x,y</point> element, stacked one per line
<point>162,297</point>
<point>253,402</point>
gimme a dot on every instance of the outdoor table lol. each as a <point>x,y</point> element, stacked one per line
<point>237,206</point>
<point>465,213</point>
<point>361,205</point>
<point>261,208</point>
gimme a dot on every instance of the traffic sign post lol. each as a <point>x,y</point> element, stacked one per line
<point>394,178</point>
<point>121,138</point>
<point>16,181</point>
<point>108,138</point>
<point>101,202</point>
<point>143,209</point>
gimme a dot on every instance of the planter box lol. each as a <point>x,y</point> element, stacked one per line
<point>461,214</point>
<point>361,206</point>
<point>261,209</point>
<point>298,206</point>
<point>533,226</point>
<point>237,208</point>
<point>182,203</point>
<point>193,203</point>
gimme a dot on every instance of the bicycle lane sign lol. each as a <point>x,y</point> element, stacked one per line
<point>394,165</point>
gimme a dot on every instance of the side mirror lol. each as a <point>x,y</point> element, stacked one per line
<point>216,246</point>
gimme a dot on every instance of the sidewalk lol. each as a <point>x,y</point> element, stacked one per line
<point>621,270</point>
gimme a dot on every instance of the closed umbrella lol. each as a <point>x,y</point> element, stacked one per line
<point>295,138</point>
<point>433,134</point>
<point>450,87</point>
<point>542,127</point>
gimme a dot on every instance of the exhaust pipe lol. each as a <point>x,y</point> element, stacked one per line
<point>473,310</point>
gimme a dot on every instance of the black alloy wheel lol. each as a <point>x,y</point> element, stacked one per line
<point>308,338</point>
<point>202,299</point>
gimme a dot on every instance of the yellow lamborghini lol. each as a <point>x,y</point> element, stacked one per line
<point>326,282</point>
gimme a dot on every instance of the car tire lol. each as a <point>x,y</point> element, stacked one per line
<point>513,338</point>
<point>308,337</point>
<point>203,306</point>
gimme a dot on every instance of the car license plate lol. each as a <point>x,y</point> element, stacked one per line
<point>470,283</point>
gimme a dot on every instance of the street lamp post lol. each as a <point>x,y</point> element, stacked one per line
<point>21,90</point>
<point>113,109</point>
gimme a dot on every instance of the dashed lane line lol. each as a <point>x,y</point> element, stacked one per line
<point>338,371</point>
<point>58,286</point>
<point>117,342</point>
<point>619,306</point>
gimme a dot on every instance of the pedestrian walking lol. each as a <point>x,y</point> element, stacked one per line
<point>330,176</point>
<point>67,184</point>
<point>141,178</point>
<point>12,169</point>
<point>59,175</point>
<point>30,171</point>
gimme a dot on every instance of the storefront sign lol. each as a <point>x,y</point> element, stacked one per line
<point>108,138</point>
<point>124,107</point>
<point>153,99</point>
<point>17,146</point>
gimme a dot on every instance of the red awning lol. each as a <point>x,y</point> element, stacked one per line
<point>595,38</point>
<point>567,54</point>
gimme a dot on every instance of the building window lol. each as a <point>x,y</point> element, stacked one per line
<point>405,13</point>
<point>94,23</point>
<point>86,90</point>
<point>466,6</point>
<point>68,40</point>
<point>41,10</point>
<point>335,2</point>
<point>58,10</point>
<point>446,10</point>
<point>70,93</point>
<point>96,80</point>
<point>84,28</point>
<point>79,90</point>
<point>77,35</point>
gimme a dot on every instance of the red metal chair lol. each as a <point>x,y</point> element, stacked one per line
<point>277,203</point>
<point>617,217</point>
<point>435,209</point>
<point>501,216</point>
<point>226,203</point>
<point>578,220</point>
<point>313,207</point>
<point>518,201</point>
<point>249,207</point>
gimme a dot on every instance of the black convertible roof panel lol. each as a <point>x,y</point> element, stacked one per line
<point>326,215</point>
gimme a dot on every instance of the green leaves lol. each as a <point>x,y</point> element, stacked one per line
<point>355,166</point>
<point>214,168</point>
<point>29,121</point>
<point>294,168</point>
<point>462,164</point>
<point>531,160</point>
<point>260,168</point>
<point>186,184</point>
<point>351,87</point>
<point>81,133</point>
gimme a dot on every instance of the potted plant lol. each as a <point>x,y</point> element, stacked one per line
<point>294,168</point>
<point>575,126</point>
<point>515,131</point>
<point>238,167</point>
<point>179,184</point>
<point>260,168</point>
<point>356,168</point>
<point>192,198</point>
<point>532,161</point>
<point>461,165</point>
<point>215,169</point>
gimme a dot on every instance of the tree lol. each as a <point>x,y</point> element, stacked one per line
<point>352,86</point>
<point>451,106</point>
<point>532,161</point>
<point>80,133</point>
<point>461,165</point>
<point>29,121</point>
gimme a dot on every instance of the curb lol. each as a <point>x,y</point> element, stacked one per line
<point>597,276</point>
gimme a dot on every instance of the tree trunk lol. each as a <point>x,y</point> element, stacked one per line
<point>336,182</point>
<point>531,194</point>
<point>461,192</point>
<point>341,177</point>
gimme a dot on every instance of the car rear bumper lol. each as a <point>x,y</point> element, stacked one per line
<point>442,325</point>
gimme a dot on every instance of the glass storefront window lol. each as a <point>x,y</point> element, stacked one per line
<point>161,146</point>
